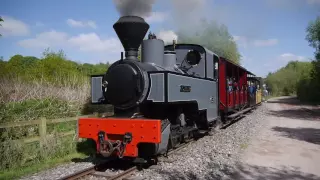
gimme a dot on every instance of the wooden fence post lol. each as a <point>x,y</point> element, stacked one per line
<point>42,131</point>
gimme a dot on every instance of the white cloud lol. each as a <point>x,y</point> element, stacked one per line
<point>167,36</point>
<point>46,39</point>
<point>75,23</point>
<point>156,17</point>
<point>93,43</point>
<point>90,42</point>
<point>245,42</point>
<point>13,27</point>
<point>292,57</point>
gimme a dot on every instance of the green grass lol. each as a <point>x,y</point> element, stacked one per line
<point>46,158</point>
<point>19,159</point>
<point>15,173</point>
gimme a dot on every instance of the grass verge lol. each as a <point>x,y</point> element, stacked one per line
<point>16,173</point>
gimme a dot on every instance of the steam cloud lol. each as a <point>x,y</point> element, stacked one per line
<point>168,36</point>
<point>142,8</point>
<point>188,13</point>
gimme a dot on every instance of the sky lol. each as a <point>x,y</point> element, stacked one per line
<point>268,33</point>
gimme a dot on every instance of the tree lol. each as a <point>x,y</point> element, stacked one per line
<point>313,34</point>
<point>1,20</point>
<point>308,88</point>
<point>215,37</point>
<point>313,37</point>
<point>3,68</point>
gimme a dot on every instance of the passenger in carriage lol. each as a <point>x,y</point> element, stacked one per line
<point>229,84</point>
<point>254,88</point>
<point>235,84</point>
<point>251,89</point>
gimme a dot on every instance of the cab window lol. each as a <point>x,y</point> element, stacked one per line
<point>215,67</point>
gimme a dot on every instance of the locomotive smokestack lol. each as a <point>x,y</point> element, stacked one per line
<point>131,31</point>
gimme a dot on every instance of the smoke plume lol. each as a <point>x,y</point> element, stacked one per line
<point>188,13</point>
<point>142,8</point>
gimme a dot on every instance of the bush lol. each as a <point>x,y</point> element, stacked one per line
<point>308,91</point>
<point>11,154</point>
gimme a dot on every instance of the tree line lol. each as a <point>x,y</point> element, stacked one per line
<point>300,78</point>
<point>52,67</point>
<point>285,80</point>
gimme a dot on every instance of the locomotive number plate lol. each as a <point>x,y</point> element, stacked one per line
<point>184,88</point>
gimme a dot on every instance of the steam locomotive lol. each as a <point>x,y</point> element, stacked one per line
<point>174,93</point>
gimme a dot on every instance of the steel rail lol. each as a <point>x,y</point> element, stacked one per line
<point>79,174</point>
<point>122,175</point>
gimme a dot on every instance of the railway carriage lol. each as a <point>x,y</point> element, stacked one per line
<point>174,93</point>
<point>234,84</point>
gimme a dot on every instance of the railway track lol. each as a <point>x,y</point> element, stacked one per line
<point>127,172</point>
<point>92,171</point>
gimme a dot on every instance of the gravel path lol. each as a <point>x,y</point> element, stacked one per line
<point>288,147</point>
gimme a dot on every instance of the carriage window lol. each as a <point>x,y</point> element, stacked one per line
<point>215,67</point>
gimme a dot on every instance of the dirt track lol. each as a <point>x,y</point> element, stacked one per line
<point>287,147</point>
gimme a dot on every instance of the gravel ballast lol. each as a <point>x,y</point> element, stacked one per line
<point>59,172</point>
<point>210,157</point>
